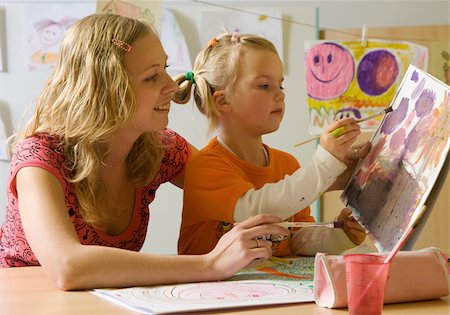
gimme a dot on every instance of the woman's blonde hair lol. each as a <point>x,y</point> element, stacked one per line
<point>216,68</point>
<point>86,98</point>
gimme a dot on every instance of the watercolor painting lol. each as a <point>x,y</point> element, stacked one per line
<point>147,11</point>
<point>391,185</point>
<point>216,22</point>
<point>45,25</point>
<point>261,283</point>
<point>347,79</point>
<point>2,40</point>
<point>174,43</point>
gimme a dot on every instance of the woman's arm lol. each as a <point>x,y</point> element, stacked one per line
<point>72,265</point>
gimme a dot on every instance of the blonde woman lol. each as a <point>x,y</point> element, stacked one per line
<point>88,164</point>
<point>237,83</point>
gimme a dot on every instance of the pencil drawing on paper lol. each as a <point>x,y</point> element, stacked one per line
<point>408,151</point>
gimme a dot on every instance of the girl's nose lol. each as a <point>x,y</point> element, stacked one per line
<point>280,96</point>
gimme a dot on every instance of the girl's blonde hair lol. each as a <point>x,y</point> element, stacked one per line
<point>86,98</point>
<point>216,68</point>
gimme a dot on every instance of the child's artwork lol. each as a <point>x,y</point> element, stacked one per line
<point>46,24</point>
<point>392,183</point>
<point>2,40</point>
<point>174,44</point>
<point>148,11</point>
<point>215,23</point>
<point>263,283</point>
<point>346,78</point>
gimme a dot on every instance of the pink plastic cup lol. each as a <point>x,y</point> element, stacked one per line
<point>366,277</point>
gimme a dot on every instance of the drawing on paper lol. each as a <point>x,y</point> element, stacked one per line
<point>148,11</point>
<point>262,283</point>
<point>174,44</point>
<point>46,24</point>
<point>347,79</point>
<point>408,151</point>
<point>214,23</point>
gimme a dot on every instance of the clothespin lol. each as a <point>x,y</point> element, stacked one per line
<point>364,35</point>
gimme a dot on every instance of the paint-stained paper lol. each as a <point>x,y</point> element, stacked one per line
<point>392,183</point>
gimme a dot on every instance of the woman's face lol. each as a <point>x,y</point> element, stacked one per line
<point>146,65</point>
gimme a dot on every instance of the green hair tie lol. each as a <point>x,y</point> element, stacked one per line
<point>190,76</point>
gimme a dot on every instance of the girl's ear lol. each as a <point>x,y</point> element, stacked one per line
<point>220,99</point>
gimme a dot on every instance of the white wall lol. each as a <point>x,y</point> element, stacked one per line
<point>18,87</point>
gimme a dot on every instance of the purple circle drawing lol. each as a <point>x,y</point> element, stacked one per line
<point>329,71</point>
<point>377,71</point>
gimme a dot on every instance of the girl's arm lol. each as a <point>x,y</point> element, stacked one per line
<point>72,265</point>
<point>293,193</point>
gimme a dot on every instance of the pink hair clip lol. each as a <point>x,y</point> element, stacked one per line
<point>121,44</point>
<point>236,37</point>
<point>212,42</point>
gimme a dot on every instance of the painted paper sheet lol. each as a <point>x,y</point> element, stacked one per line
<point>147,11</point>
<point>2,40</point>
<point>45,25</point>
<point>216,22</point>
<point>392,183</point>
<point>263,283</point>
<point>348,79</point>
<point>174,44</point>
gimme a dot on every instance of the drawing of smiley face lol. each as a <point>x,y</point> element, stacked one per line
<point>329,71</point>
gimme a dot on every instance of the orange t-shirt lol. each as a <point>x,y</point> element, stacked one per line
<point>215,179</point>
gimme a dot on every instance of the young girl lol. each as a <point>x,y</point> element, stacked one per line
<point>90,161</point>
<point>237,82</point>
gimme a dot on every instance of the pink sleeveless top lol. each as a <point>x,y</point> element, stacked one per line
<point>44,151</point>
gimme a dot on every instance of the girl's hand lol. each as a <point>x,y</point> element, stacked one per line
<point>240,246</point>
<point>352,157</point>
<point>352,228</point>
<point>339,137</point>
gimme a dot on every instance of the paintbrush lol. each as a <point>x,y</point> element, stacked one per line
<point>339,131</point>
<point>287,224</point>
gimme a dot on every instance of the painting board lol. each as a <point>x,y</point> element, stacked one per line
<point>393,182</point>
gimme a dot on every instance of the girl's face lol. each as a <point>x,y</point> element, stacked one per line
<point>257,98</point>
<point>146,65</point>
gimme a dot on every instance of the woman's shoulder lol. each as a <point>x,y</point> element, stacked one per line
<point>41,146</point>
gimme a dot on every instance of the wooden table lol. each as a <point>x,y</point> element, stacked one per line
<point>28,290</point>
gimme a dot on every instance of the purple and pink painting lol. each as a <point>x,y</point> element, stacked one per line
<point>348,79</point>
<point>391,185</point>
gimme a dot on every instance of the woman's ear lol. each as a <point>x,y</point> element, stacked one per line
<point>220,99</point>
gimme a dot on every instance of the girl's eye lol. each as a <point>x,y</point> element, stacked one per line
<point>264,86</point>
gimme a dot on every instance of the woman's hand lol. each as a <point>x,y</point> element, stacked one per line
<point>339,136</point>
<point>352,228</point>
<point>240,246</point>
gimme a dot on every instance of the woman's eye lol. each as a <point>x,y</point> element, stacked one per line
<point>152,78</point>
